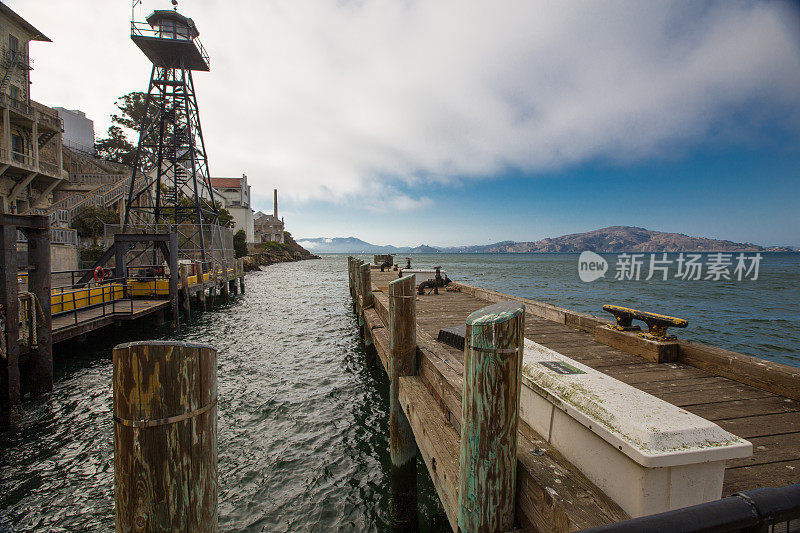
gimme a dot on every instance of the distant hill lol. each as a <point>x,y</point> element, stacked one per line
<point>347,245</point>
<point>613,239</point>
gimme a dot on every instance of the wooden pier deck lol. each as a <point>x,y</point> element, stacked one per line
<point>84,320</point>
<point>756,400</point>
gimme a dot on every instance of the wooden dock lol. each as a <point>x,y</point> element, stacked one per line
<point>751,398</point>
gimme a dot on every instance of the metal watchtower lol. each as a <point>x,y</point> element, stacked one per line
<point>170,190</point>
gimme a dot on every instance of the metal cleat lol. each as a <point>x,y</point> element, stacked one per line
<point>657,324</point>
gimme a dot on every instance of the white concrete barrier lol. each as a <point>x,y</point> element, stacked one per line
<point>648,455</point>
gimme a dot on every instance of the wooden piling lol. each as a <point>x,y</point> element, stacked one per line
<point>201,294</point>
<point>165,436</point>
<point>224,290</point>
<point>402,447</point>
<point>350,274</point>
<point>367,301</point>
<point>490,412</point>
<point>357,285</point>
<point>173,278</point>
<point>185,303</point>
<point>365,276</point>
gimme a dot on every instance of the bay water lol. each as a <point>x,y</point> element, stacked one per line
<point>303,423</point>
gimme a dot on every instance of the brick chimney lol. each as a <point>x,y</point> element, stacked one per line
<point>276,204</point>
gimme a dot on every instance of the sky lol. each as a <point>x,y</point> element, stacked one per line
<point>448,122</point>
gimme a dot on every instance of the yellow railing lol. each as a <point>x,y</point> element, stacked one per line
<point>71,299</point>
<point>77,298</point>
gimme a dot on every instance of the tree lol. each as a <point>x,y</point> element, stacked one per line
<point>240,243</point>
<point>224,216</point>
<point>90,222</point>
<point>132,107</point>
<point>116,147</point>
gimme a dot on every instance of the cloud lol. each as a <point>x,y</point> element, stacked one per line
<point>340,100</point>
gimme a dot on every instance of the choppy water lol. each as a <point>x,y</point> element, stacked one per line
<point>303,424</point>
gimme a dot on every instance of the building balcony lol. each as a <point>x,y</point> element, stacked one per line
<point>19,107</point>
<point>26,163</point>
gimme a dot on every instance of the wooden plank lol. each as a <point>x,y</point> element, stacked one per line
<point>552,494</point>
<point>633,374</point>
<point>713,395</point>
<point>690,385</point>
<point>630,342</point>
<point>534,308</point>
<point>779,379</point>
<point>756,476</point>
<point>770,449</point>
<point>745,408</point>
<point>760,426</point>
<point>379,334</point>
<point>437,442</point>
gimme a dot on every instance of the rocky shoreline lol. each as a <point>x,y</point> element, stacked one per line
<point>272,252</point>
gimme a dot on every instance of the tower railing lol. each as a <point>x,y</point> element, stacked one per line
<point>144,29</point>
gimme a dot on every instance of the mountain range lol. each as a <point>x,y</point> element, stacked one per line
<point>614,239</point>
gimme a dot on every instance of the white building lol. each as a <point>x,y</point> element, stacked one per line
<point>236,193</point>
<point>78,130</point>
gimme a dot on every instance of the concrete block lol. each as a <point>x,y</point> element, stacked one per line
<point>648,455</point>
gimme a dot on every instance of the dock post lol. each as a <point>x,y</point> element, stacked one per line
<point>40,357</point>
<point>367,301</point>
<point>490,411</point>
<point>186,304</point>
<point>201,294</point>
<point>165,436</point>
<point>241,275</point>
<point>357,284</point>
<point>224,289</point>
<point>402,362</point>
<point>9,362</point>
<point>173,277</point>
<point>350,281</point>
<point>367,298</point>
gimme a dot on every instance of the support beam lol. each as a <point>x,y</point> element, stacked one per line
<point>489,420</point>
<point>20,186</point>
<point>42,200</point>
<point>402,362</point>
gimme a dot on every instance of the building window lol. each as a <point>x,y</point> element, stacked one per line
<point>13,44</point>
<point>17,147</point>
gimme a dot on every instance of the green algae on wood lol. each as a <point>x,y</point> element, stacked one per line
<point>490,413</point>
